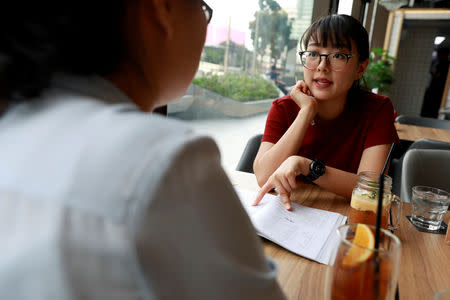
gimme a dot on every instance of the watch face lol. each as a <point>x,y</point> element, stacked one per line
<point>318,168</point>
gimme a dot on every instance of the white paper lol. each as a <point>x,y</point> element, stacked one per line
<point>306,231</point>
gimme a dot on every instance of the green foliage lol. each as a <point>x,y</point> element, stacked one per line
<point>240,87</point>
<point>379,72</point>
<point>213,55</point>
<point>237,54</point>
<point>269,4</point>
<point>274,29</point>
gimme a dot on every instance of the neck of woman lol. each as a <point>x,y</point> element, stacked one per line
<point>331,109</point>
<point>136,87</point>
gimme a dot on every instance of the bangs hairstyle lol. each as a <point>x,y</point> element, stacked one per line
<point>338,31</point>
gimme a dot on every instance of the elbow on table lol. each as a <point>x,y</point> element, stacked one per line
<point>261,178</point>
<point>260,172</point>
<point>261,181</point>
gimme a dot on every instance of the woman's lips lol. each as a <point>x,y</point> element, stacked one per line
<point>322,82</point>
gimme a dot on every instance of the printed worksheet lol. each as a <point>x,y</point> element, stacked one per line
<point>305,231</point>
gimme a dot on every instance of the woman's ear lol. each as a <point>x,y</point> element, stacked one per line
<point>362,66</point>
<point>159,12</point>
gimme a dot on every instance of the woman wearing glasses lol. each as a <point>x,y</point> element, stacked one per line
<point>99,199</point>
<point>329,128</point>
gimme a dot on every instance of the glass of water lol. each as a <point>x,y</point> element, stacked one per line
<point>429,206</point>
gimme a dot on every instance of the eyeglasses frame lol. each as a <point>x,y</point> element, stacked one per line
<point>208,11</point>
<point>348,56</point>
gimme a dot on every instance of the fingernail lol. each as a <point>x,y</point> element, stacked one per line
<point>287,206</point>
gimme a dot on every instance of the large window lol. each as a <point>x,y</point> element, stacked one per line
<point>249,60</point>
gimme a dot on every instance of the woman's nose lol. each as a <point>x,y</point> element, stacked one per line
<point>323,63</point>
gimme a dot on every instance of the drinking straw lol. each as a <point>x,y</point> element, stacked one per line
<point>380,198</point>
<point>378,222</point>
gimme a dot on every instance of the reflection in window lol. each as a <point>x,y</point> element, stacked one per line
<point>249,59</point>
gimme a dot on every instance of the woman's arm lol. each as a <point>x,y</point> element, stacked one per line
<point>337,181</point>
<point>270,156</point>
<point>342,182</point>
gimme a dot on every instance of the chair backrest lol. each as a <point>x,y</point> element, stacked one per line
<point>396,164</point>
<point>245,164</point>
<point>429,144</point>
<point>428,167</point>
<point>422,121</point>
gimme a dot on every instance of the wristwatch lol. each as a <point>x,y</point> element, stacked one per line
<point>316,169</point>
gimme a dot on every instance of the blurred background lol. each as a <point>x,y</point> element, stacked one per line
<point>250,58</point>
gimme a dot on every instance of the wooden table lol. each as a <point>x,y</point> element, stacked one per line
<point>425,260</point>
<point>413,133</point>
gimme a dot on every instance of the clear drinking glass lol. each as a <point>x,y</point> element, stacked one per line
<point>429,206</point>
<point>372,278</point>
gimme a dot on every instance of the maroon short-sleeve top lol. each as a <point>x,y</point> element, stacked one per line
<point>368,120</point>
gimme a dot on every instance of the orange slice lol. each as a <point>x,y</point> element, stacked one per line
<point>364,237</point>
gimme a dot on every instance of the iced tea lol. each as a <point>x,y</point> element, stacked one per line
<point>364,202</point>
<point>360,281</point>
<point>366,273</point>
<point>363,209</point>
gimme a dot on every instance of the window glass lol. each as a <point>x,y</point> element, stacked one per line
<point>249,59</point>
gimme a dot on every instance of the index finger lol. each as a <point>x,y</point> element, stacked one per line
<point>264,190</point>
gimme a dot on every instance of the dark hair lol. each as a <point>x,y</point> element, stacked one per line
<point>37,40</point>
<point>339,31</point>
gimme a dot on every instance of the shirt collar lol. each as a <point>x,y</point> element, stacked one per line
<point>93,85</point>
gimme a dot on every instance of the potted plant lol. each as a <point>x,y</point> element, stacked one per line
<point>379,75</point>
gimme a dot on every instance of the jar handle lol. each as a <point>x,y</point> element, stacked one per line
<point>395,200</point>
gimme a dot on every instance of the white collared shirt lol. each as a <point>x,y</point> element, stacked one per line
<point>101,201</point>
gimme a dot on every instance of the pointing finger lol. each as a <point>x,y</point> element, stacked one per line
<point>264,190</point>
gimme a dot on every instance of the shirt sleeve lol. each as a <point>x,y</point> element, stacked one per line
<point>196,240</point>
<point>276,124</point>
<point>382,129</point>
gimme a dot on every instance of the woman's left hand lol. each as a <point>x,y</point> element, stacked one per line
<point>284,180</point>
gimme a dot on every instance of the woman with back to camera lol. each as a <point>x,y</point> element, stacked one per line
<point>98,199</point>
<point>329,128</point>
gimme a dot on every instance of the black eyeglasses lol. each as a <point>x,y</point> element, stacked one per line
<point>337,60</point>
<point>208,11</point>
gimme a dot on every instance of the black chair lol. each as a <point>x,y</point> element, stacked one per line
<point>245,164</point>
<point>395,170</point>
<point>421,121</point>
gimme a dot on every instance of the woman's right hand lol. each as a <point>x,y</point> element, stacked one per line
<point>302,96</point>
<point>284,180</point>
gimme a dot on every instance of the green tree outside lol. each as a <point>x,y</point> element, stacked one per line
<point>274,29</point>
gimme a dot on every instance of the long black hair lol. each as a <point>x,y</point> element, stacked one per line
<point>38,39</point>
<point>339,31</point>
